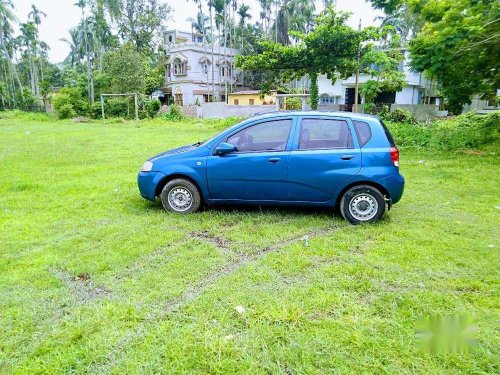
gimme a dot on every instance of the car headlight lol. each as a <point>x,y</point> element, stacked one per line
<point>147,167</point>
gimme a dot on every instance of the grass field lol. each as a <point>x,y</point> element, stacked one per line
<point>95,279</point>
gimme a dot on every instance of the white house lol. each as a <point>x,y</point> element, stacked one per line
<point>196,72</point>
<point>340,95</point>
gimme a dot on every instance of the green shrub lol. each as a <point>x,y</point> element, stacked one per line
<point>95,110</point>
<point>468,131</point>
<point>293,103</point>
<point>369,108</point>
<point>70,96</point>
<point>66,111</point>
<point>174,113</point>
<point>151,107</point>
<point>400,115</point>
<point>410,135</point>
<point>118,107</point>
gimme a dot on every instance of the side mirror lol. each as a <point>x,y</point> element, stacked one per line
<point>225,148</point>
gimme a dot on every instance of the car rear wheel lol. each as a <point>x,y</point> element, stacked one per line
<point>362,204</point>
<point>181,196</point>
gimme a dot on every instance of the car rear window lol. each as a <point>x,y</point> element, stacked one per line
<point>363,131</point>
<point>317,134</point>
<point>388,134</point>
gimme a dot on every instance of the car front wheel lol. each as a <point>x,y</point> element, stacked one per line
<point>362,204</point>
<point>181,196</point>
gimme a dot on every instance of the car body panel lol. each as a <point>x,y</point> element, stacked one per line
<point>299,177</point>
<point>325,168</point>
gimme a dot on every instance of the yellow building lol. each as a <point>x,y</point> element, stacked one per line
<point>251,97</point>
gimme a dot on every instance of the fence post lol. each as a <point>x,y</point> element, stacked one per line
<point>102,106</point>
<point>136,109</point>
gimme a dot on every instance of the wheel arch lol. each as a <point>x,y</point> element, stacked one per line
<point>380,187</point>
<point>165,180</point>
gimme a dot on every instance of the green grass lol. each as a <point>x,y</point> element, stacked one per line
<point>94,279</point>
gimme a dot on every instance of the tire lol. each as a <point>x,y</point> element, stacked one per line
<point>180,196</point>
<point>362,204</point>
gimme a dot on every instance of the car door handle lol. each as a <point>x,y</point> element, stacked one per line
<point>274,160</point>
<point>347,157</point>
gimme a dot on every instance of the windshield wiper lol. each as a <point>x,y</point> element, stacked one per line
<point>198,143</point>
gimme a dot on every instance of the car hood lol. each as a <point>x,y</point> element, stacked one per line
<point>174,151</point>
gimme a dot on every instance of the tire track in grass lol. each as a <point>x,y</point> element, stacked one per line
<point>165,309</point>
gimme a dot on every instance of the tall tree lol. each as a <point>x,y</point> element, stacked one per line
<point>82,4</point>
<point>454,45</point>
<point>7,43</point>
<point>104,39</point>
<point>293,15</point>
<point>143,22</point>
<point>332,48</point>
<point>200,24</point>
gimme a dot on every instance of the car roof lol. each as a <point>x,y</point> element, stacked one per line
<point>351,115</point>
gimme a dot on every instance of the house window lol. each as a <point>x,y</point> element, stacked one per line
<point>236,101</point>
<point>204,68</point>
<point>180,67</point>
<point>225,70</point>
<point>327,100</point>
<point>251,101</point>
<point>207,98</point>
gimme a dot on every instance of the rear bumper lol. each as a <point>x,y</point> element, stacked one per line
<point>148,182</point>
<point>395,185</point>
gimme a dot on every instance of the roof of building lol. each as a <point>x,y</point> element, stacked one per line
<point>246,92</point>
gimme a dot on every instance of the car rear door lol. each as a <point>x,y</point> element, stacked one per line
<point>257,171</point>
<point>325,153</point>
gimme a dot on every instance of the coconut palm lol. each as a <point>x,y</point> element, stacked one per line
<point>403,22</point>
<point>28,39</point>
<point>7,18</point>
<point>76,53</point>
<point>293,15</point>
<point>82,4</point>
<point>200,23</point>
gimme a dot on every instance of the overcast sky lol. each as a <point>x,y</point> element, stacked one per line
<point>62,15</point>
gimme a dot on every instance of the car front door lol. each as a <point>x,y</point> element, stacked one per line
<point>324,154</point>
<point>257,170</point>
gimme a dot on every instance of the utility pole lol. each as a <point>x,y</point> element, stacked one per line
<point>356,84</point>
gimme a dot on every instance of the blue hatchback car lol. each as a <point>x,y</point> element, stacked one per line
<point>327,159</point>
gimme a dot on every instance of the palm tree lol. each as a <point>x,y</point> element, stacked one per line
<point>294,15</point>
<point>76,54</point>
<point>102,31</point>
<point>200,23</point>
<point>265,14</point>
<point>28,38</point>
<point>90,79</point>
<point>403,22</point>
<point>36,16</point>
<point>7,18</point>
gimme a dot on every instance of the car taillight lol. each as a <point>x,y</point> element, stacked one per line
<point>394,152</point>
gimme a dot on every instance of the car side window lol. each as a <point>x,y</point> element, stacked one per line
<point>265,136</point>
<point>363,131</point>
<point>316,134</point>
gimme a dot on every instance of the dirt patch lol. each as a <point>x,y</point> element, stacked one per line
<point>219,242</point>
<point>82,288</point>
<point>237,263</point>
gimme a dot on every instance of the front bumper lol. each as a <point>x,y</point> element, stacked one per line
<point>148,182</point>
